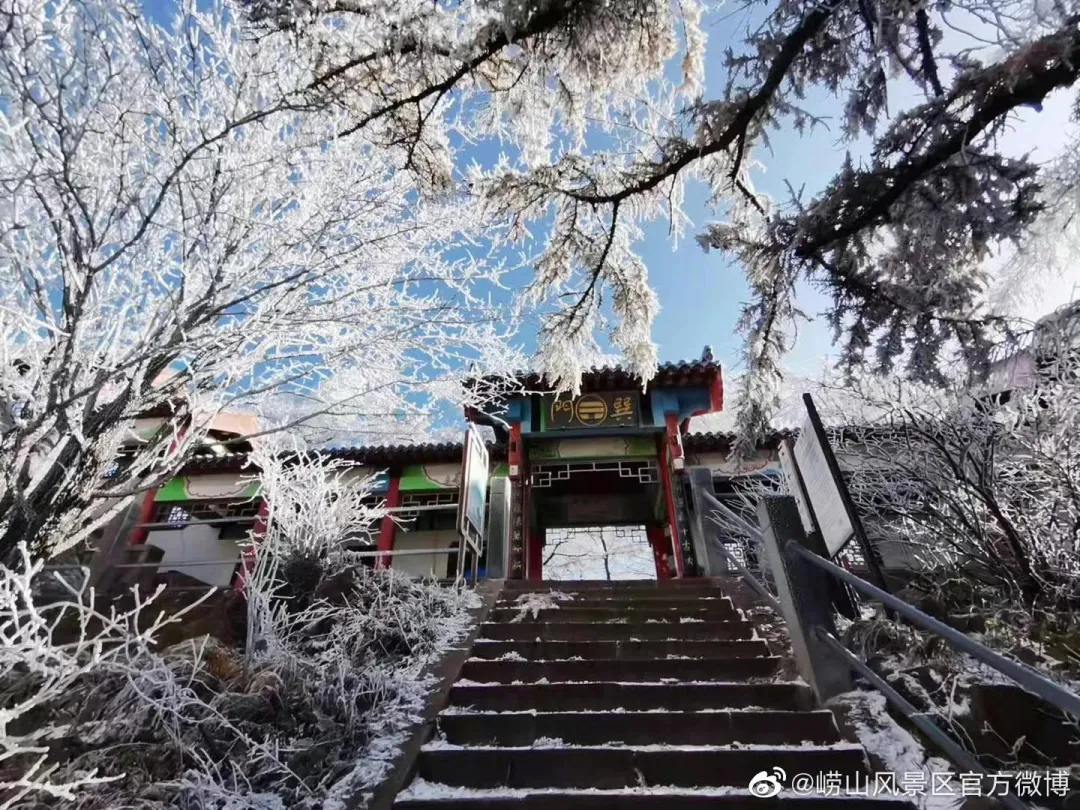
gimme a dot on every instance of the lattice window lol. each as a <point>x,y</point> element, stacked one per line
<point>118,465</point>
<point>174,515</point>
<point>180,514</point>
<point>852,557</point>
<point>433,520</point>
<point>645,471</point>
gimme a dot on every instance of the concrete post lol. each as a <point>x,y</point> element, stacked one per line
<point>804,595</point>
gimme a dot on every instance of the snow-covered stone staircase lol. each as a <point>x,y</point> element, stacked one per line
<point>623,695</point>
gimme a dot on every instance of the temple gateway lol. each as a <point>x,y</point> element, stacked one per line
<point>617,455</point>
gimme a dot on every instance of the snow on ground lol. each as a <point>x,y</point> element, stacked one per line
<point>421,789</point>
<point>533,602</point>
<point>549,743</point>
<point>898,751</point>
<point>619,710</point>
<point>392,722</point>
<point>310,718</point>
<point>664,682</point>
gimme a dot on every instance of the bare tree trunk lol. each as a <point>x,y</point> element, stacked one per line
<point>607,564</point>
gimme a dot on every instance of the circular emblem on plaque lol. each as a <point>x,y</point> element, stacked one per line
<point>591,410</point>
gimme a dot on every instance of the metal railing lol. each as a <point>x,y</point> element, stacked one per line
<point>187,521</point>
<point>751,580</point>
<point>1027,677</point>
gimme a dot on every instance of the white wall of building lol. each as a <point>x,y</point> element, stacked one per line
<point>197,543</point>
<point>423,565</point>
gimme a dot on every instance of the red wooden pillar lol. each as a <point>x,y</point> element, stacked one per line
<point>247,556</point>
<point>535,565</point>
<point>387,526</point>
<point>667,465</point>
<point>673,439</point>
<point>660,548</point>
<point>518,507</point>
<point>146,514</point>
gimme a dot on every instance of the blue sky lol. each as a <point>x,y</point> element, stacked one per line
<point>701,294</point>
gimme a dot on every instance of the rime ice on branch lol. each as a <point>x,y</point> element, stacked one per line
<point>182,233</point>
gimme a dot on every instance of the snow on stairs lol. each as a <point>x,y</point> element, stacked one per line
<point>636,695</point>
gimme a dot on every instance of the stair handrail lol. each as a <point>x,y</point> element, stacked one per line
<point>788,545</point>
<point>1025,675</point>
<point>759,587</point>
<point>751,580</point>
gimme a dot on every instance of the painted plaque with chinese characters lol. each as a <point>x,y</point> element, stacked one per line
<point>606,409</point>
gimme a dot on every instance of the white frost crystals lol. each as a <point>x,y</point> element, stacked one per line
<point>311,715</point>
<point>900,753</point>
<point>529,605</point>
<point>182,233</point>
<point>36,671</point>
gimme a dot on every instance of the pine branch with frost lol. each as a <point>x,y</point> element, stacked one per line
<point>896,242</point>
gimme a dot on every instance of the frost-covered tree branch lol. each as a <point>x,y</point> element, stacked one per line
<point>317,507</point>
<point>308,713</point>
<point>182,234</point>
<point>980,485</point>
<point>897,241</point>
<point>47,650</point>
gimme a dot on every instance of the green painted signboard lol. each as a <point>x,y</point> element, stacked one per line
<point>207,487</point>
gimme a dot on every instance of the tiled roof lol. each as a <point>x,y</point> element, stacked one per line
<point>668,375</point>
<point>441,451</point>
<point>708,442</point>
<point>389,455</point>
<point>680,373</point>
<point>376,456</point>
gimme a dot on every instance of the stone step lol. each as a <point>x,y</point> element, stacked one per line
<point>718,611</point>
<point>612,768</point>
<point>615,669</point>
<point>641,728</point>
<point>626,650</point>
<point>619,596</point>
<point>617,800</point>
<point>567,585</point>
<point>589,631</point>
<point>603,598</point>
<point>605,696</point>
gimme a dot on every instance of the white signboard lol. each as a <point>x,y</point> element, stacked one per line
<point>474,483</point>
<point>822,491</point>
